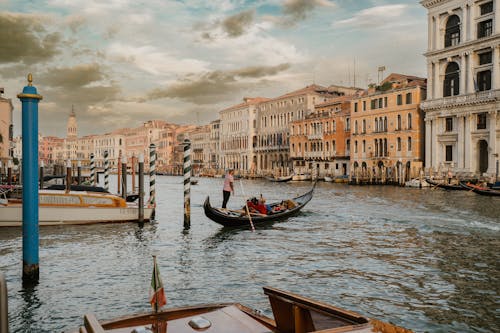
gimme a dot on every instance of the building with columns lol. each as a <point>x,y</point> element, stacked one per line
<point>462,124</point>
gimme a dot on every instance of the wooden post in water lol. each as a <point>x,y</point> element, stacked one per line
<point>187,184</point>
<point>141,188</point>
<point>29,99</point>
<point>119,172</point>
<point>106,171</point>
<point>132,161</point>
<point>152,175</point>
<point>68,176</point>
<point>92,169</point>
<point>9,172</point>
<point>124,177</point>
<point>41,174</point>
<point>79,172</point>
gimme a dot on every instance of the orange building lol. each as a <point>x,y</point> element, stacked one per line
<point>320,143</point>
<point>387,140</point>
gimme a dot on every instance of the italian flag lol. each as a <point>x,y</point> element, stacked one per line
<point>157,296</point>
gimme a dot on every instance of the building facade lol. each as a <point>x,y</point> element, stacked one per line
<point>6,129</point>
<point>388,130</point>
<point>463,100</point>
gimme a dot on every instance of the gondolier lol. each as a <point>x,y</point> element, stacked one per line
<point>228,187</point>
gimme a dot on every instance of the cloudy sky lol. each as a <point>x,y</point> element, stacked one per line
<point>122,62</point>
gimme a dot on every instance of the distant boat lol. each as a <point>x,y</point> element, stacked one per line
<point>301,176</point>
<point>418,183</point>
<point>194,181</point>
<point>443,185</point>
<point>74,207</point>
<point>290,313</point>
<point>279,179</point>
<point>328,179</point>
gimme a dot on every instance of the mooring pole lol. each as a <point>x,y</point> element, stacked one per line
<point>29,99</point>
<point>124,177</point>
<point>92,169</point>
<point>79,172</point>
<point>187,184</point>
<point>9,172</point>
<point>132,167</point>
<point>152,175</point>
<point>141,188</point>
<point>119,173</point>
<point>68,175</point>
<point>41,174</point>
<point>106,171</point>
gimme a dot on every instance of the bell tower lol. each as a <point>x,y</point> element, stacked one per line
<point>71,126</point>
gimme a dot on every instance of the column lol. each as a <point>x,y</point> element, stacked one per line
<point>428,143</point>
<point>465,24</point>
<point>430,80</point>
<point>496,66</point>
<point>468,165</point>
<point>463,73</point>
<point>460,142</point>
<point>470,77</point>
<point>436,80</point>
<point>492,144</point>
<point>430,30</point>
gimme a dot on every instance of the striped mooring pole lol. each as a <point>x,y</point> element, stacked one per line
<point>29,99</point>
<point>124,177</point>
<point>141,189</point>
<point>79,172</point>
<point>152,175</point>
<point>187,184</point>
<point>106,171</point>
<point>92,169</point>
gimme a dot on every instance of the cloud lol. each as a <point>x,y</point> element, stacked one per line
<point>211,87</point>
<point>235,25</point>
<point>375,17</point>
<point>25,39</point>
<point>73,77</point>
<point>298,10</point>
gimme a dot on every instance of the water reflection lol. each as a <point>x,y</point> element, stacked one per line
<point>424,259</point>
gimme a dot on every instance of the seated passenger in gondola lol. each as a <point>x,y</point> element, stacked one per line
<point>257,206</point>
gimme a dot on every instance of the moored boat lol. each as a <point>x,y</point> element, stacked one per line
<point>74,207</point>
<point>301,176</point>
<point>443,185</point>
<point>238,218</point>
<point>291,313</point>
<point>279,178</point>
<point>328,179</point>
<point>417,182</point>
<point>483,190</point>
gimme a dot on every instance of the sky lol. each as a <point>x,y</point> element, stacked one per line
<point>119,63</point>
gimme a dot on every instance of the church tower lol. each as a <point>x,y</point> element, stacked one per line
<point>71,127</point>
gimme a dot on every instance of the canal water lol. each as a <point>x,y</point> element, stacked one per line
<point>425,259</point>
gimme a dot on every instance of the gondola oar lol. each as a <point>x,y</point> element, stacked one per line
<point>246,206</point>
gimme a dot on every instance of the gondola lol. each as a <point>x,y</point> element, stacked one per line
<point>480,190</point>
<point>239,218</point>
<point>279,179</point>
<point>451,187</point>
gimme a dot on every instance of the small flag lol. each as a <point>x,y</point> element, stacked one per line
<point>157,296</point>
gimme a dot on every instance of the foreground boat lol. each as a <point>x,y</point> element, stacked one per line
<point>450,187</point>
<point>291,312</point>
<point>480,189</point>
<point>74,207</point>
<point>238,218</point>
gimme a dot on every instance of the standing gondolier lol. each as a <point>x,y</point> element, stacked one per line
<point>228,187</point>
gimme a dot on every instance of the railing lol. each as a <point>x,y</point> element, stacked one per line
<point>478,97</point>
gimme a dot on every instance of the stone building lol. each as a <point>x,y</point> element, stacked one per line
<point>463,99</point>
<point>6,129</point>
<point>387,128</point>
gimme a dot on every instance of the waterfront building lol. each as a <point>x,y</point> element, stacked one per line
<point>200,149</point>
<point>165,148</point>
<point>238,133</point>
<point>47,145</point>
<point>320,143</point>
<point>463,100</point>
<point>6,129</point>
<point>272,134</point>
<point>214,148</point>
<point>387,127</point>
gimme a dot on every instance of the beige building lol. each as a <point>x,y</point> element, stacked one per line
<point>463,100</point>
<point>6,129</point>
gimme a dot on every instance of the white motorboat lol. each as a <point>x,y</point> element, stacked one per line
<point>302,176</point>
<point>74,207</point>
<point>419,183</point>
<point>328,179</point>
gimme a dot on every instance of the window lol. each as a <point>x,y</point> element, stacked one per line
<point>355,146</point>
<point>485,58</point>
<point>449,124</point>
<point>355,107</point>
<point>356,127</point>
<point>409,143</point>
<point>481,121</point>
<point>373,106</point>
<point>364,126</point>
<point>486,8</point>
<point>398,126</point>
<point>409,121</point>
<point>449,153</point>
<point>364,105</point>
<point>399,144</point>
<point>485,28</point>
<point>376,125</point>
<point>451,80</point>
<point>484,80</point>
<point>385,101</point>
<point>364,146</point>
<point>452,34</point>
<point>400,100</point>
<point>408,98</point>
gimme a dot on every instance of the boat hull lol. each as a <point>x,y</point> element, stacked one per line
<point>12,215</point>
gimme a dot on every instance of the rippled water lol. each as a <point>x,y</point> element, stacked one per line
<point>424,259</point>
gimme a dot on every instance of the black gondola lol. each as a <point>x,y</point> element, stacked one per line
<point>480,190</point>
<point>233,218</point>
<point>451,187</point>
<point>280,179</point>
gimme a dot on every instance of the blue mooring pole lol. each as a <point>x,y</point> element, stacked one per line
<point>29,99</point>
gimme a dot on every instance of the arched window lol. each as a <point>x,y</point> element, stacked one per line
<point>356,127</point>
<point>409,121</point>
<point>399,123</point>
<point>452,34</point>
<point>451,80</point>
<point>364,126</point>
<point>376,125</point>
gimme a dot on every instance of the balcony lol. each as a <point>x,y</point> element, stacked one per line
<point>461,100</point>
<point>316,136</point>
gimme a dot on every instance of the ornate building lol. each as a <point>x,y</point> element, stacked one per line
<point>463,99</point>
